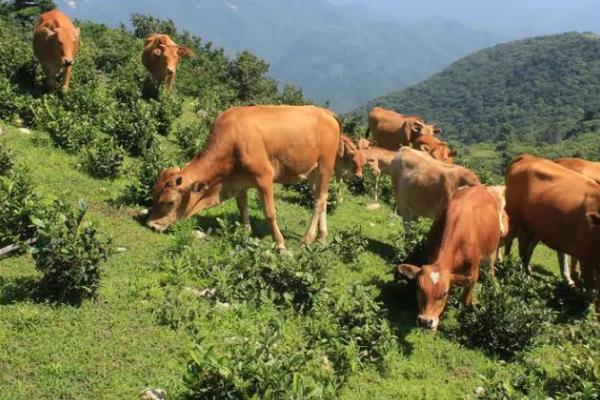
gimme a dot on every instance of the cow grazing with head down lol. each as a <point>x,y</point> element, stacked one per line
<point>55,45</point>
<point>422,185</point>
<point>435,147</point>
<point>377,159</point>
<point>465,234</point>
<point>161,56</point>
<point>556,206</point>
<point>350,160</point>
<point>392,130</point>
<point>253,147</point>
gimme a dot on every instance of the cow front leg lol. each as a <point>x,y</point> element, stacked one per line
<point>376,188</point>
<point>50,79</point>
<point>527,244</point>
<point>242,203</point>
<point>565,269</point>
<point>265,186</point>
<point>66,79</point>
<point>320,194</point>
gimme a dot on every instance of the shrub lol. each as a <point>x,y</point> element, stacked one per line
<point>68,254</point>
<point>134,128</point>
<point>167,109</point>
<point>258,360</point>
<point>67,130</point>
<point>18,204</point>
<point>409,242</point>
<point>511,312</point>
<point>306,198</point>
<point>6,160</point>
<point>191,136</point>
<point>104,159</point>
<point>349,244</point>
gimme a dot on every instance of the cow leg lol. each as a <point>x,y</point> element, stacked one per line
<point>376,188</point>
<point>323,224</point>
<point>242,203</point>
<point>527,244</point>
<point>467,295</point>
<point>66,79</point>
<point>265,186</point>
<point>321,185</point>
<point>591,281</point>
<point>50,79</point>
<point>170,82</point>
<point>565,269</point>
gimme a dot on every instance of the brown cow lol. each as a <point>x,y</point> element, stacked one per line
<point>591,170</point>
<point>556,206</point>
<point>55,45</point>
<point>350,160</point>
<point>422,185</point>
<point>160,57</point>
<point>254,147</point>
<point>435,147</point>
<point>392,130</point>
<point>464,235</point>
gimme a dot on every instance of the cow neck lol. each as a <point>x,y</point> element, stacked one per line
<point>212,165</point>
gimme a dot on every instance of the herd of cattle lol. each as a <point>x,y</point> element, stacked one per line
<point>554,202</point>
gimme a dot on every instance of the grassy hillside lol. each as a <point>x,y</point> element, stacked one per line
<point>327,323</point>
<point>338,54</point>
<point>535,90</point>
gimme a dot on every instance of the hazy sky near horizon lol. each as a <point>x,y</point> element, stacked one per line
<point>509,17</point>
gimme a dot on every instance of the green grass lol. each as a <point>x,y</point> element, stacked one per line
<point>113,348</point>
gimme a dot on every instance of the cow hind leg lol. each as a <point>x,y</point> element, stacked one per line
<point>467,295</point>
<point>527,244</point>
<point>242,203</point>
<point>320,194</point>
<point>265,186</point>
<point>565,269</point>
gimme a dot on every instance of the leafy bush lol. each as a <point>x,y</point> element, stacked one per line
<point>306,199</point>
<point>262,360</point>
<point>104,159</point>
<point>511,312</point>
<point>6,160</point>
<point>134,128</point>
<point>409,241</point>
<point>191,136</point>
<point>167,108</point>
<point>67,129</point>
<point>18,204</point>
<point>68,254</point>
<point>349,244</point>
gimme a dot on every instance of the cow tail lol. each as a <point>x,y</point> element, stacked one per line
<point>341,146</point>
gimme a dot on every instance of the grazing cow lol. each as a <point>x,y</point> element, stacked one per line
<point>592,171</point>
<point>392,130</point>
<point>422,185</point>
<point>55,45</point>
<point>556,206</point>
<point>350,160</point>
<point>160,57</point>
<point>435,147</point>
<point>378,159</point>
<point>254,147</point>
<point>465,234</point>
<point>499,193</point>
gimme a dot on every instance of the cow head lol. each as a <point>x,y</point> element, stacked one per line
<point>174,197</point>
<point>64,43</point>
<point>351,158</point>
<point>168,56</point>
<point>433,286</point>
<point>422,128</point>
<point>440,152</point>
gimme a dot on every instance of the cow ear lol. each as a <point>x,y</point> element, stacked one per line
<point>593,219</point>
<point>363,144</point>
<point>185,51</point>
<point>424,148</point>
<point>407,271</point>
<point>157,51</point>
<point>48,32</point>
<point>437,130</point>
<point>460,280</point>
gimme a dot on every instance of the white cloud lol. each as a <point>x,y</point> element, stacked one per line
<point>231,6</point>
<point>71,4</point>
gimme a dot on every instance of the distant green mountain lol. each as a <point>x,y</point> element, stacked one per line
<point>340,54</point>
<point>537,90</point>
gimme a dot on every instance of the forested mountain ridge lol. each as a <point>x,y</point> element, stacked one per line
<point>340,54</point>
<point>535,89</point>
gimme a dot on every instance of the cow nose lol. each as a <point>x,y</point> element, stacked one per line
<point>68,61</point>
<point>425,322</point>
<point>170,70</point>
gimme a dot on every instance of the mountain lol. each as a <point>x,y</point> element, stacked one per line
<point>338,53</point>
<point>536,88</point>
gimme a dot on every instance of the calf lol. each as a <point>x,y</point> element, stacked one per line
<point>464,235</point>
<point>161,56</point>
<point>422,185</point>
<point>435,147</point>
<point>55,45</point>
<point>391,130</point>
<point>253,147</point>
<point>556,206</point>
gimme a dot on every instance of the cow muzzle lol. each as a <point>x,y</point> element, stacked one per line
<point>427,323</point>
<point>170,70</point>
<point>158,228</point>
<point>68,62</point>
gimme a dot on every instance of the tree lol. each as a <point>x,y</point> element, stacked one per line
<point>145,25</point>
<point>248,79</point>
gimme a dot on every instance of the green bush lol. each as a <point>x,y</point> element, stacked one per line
<point>18,204</point>
<point>135,127</point>
<point>306,198</point>
<point>349,244</point>
<point>104,159</point>
<point>191,136</point>
<point>68,254</point>
<point>6,159</point>
<point>409,242</point>
<point>510,313</point>
<point>67,129</point>
<point>167,108</point>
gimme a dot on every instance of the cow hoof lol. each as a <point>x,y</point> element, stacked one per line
<point>153,394</point>
<point>284,252</point>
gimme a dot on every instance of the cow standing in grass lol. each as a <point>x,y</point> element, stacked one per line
<point>161,56</point>
<point>55,45</point>
<point>556,206</point>
<point>253,147</point>
<point>464,235</point>
<point>392,130</point>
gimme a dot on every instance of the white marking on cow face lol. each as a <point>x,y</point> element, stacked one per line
<point>435,277</point>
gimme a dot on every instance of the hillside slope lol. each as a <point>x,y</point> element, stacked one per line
<point>535,88</point>
<point>337,54</point>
